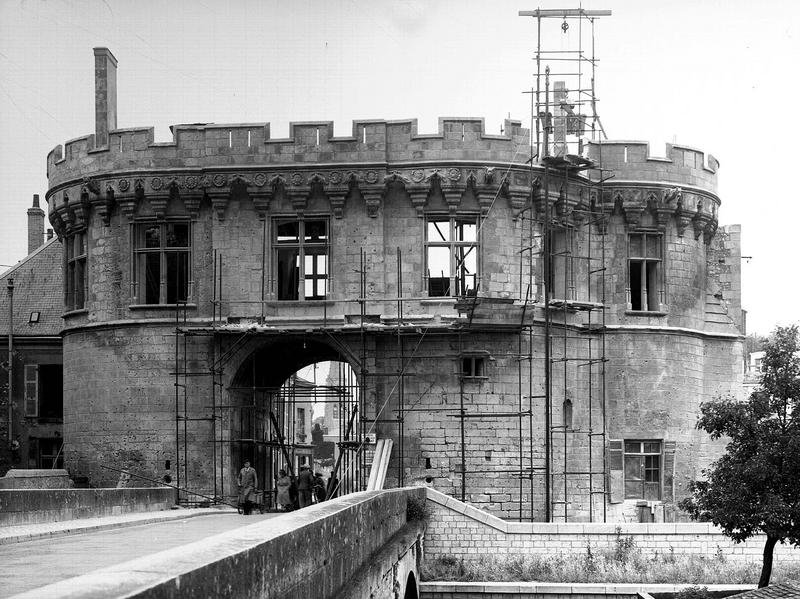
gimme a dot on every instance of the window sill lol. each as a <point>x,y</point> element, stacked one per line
<point>161,306</point>
<point>71,313</point>
<point>657,313</point>
<point>438,300</point>
<point>319,302</point>
<point>474,378</point>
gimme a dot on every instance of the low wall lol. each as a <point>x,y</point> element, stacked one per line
<point>538,590</point>
<point>461,531</point>
<point>322,551</point>
<point>36,479</point>
<point>36,506</point>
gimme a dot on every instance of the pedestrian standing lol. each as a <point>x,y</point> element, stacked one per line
<point>284,483</point>
<point>319,487</point>
<point>247,481</point>
<point>305,484</point>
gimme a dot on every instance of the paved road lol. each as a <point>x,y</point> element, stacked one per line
<point>32,564</point>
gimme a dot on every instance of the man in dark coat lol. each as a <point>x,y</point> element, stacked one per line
<point>305,483</point>
<point>248,481</point>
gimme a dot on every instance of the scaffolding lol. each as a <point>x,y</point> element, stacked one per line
<point>559,408</point>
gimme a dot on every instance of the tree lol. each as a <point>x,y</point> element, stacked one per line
<point>755,486</point>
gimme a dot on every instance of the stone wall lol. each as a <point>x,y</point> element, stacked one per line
<point>326,551</point>
<point>33,506</point>
<point>538,590</point>
<point>464,532</point>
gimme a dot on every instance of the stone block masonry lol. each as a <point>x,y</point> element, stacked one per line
<point>462,531</point>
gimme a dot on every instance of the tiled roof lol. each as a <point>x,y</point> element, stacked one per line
<point>38,287</point>
<point>773,591</point>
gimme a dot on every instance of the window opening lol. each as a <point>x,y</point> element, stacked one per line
<point>643,470</point>
<point>452,256</point>
<point>644,271</point>
<point>31,373</point>
<point>162,262</point>
<point>75,295</point>
<point>472,366</point>
<point>301,254</point>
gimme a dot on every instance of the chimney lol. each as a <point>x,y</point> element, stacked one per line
<point>105,95</point>
<point>35,225</point>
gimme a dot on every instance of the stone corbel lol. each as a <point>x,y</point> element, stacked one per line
<point>127,203</point>
<point>662,218</point>
<point>261,201</point>
<point>419,197</point>
<point>104,205</point>
<point>372,199</point>
<point>700,222</point>
<point>58,224</point>
<point>158,202</point>
<point>219,201</point>
<point>517,198</point>
<point>633,215</point>
<point>337,199</point>
<point>191,201</point>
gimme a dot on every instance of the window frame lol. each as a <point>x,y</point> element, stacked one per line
<point>457,280</point>
<point>31,401</point>
<point>303,249</point>
<point>645,459</point>
<point>650,272</point>
<point>139,263</point>
<point>76,254</point>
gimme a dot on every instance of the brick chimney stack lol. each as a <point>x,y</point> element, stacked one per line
<point>35,225</point>
<point>105,95</point>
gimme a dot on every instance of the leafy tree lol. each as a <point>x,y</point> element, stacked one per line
<point>755,486</point>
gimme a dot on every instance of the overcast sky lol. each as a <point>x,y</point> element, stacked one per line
<point>720,76</point>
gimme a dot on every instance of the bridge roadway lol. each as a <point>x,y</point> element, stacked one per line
<point>44,559</point>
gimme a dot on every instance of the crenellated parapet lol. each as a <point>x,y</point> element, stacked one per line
<point>631,160</point>
<point>213,146</point>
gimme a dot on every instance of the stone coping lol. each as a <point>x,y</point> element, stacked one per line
<point>19,533</point>
<point>567,588</point>
<point>610,528</point>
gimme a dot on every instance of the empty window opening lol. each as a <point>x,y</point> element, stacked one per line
<point>462,131</point>
<point>363,135</point>
<point>248,138</point>
<point>120,143</point>
<point>317,135</point>
<point>488,455</point>
<point>452,256</point>
<point>301,256</point>
<point>230,139</point>
<point>427,463</point>
<point>642,466</point>
<point>625,154</point>
<point>567,413</point>
<point>644,271</point>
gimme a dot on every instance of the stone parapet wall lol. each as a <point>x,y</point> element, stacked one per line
<point>34,506</point>
<point>681,165</point>
<point>464,532</point>
<point>319,552</point>
<point>211,145</point>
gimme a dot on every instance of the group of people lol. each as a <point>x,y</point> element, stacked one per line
<point>301,492</point>
<point>293,492</point>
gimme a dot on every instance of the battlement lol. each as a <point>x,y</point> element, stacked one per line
<point>631,160</point>
<point>241,144</point>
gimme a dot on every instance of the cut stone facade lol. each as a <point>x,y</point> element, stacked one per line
<point>457,379</point>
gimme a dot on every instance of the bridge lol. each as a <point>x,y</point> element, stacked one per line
<point>360,545</point>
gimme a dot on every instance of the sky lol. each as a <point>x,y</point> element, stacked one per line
<point>710,74</point>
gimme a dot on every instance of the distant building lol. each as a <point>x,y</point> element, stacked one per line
<point>32,429</point>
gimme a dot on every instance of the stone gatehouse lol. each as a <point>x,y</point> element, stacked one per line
<point>534,338</point>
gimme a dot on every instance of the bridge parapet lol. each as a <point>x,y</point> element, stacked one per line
<point>325,551</point>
